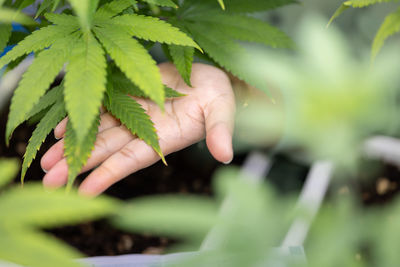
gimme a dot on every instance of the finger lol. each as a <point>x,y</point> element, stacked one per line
<point>169,74</point>
<point>107,143</point>
<point>56,152</point>
<point>57,176</point>
<point>133,157</point>
<point>52,156</point>
<point>60,129</point>
<point>107,121</point>
<point>219,120</point>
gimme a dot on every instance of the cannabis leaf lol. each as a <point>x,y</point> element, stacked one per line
<point>356,4</point>
<point>26,210</point>
<point>222,4</point>
<point>5,34</point>
<point>55,114</point>
<point>55,94</point>
<point>62,19</point>
<point>182,57</point>
<point>39,76</point>
<point>85,10</point>
<point>134,117</point>
<point>153,29</point>
<point>166,3</point>
<point>43,6</point>
<point>217,32</point>
<point>221,49</point>
<point>37,41</point>
<point>133,60</point>
<point>78,151</point>
<point>8,170</point>
<point>390,26</point>
<point>122,84</point>
<point>8,15</point>
<point>47,5</point>
<point>113,8</point>
<point>86,70</point>
<point>245,28</point>
<point>234,6</point>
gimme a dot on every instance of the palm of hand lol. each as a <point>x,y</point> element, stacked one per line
<point>206,110</point>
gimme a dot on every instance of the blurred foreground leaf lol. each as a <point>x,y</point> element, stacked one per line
<point>249,224</point>
<point>25,210</point>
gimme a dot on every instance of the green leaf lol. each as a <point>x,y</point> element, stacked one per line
<point>8,15</point>
<point>55,94</point>
<point>25,209</point>
<point>224,51</point>
<point>134,117</point>
<point>338,12</point>
<point>222,4</point>
<point>31,206</point>
<point>113,8</point>
<point>39,76</point>
<point>85,84</point>
<point>356,4</point>
<point>182,57</point>
<point>234,6</point>
<point>84,9</point>
<point>8,170</point>
<point>55,5</point>
<point>390,26</point>
<point>249,6</point>
<point>122,84</point>
<point>56,113</point>
<point>364,3</point>
<point>171,93</point>
<point>245,28</point>
<point>166,3</point>
<point>26,3</point>
<point>153,29</point>
<point>5,34</point>
<point>43,6</point>
<point>62,19</point>
<point>134,60</point>
<point>77,152</point>
<point>185,217</point>
<point>36,41</point>
<point>28,248</point>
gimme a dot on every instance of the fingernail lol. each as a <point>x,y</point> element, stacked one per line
<point>45,171</point>
<point>228,162</point>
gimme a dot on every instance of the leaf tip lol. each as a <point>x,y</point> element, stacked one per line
<point>163,158</point>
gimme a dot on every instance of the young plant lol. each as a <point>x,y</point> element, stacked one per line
<point>333,100</point>
<point>118,33</point>
<point>25,211</point>
<point>252,221</point>
<point>390,26</point>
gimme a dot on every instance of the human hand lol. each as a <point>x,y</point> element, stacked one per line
<point>207,110</point>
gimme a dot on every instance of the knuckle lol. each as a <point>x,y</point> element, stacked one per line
<point>129,153</point>
<point>107,171</point>
<point>101,143</point>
